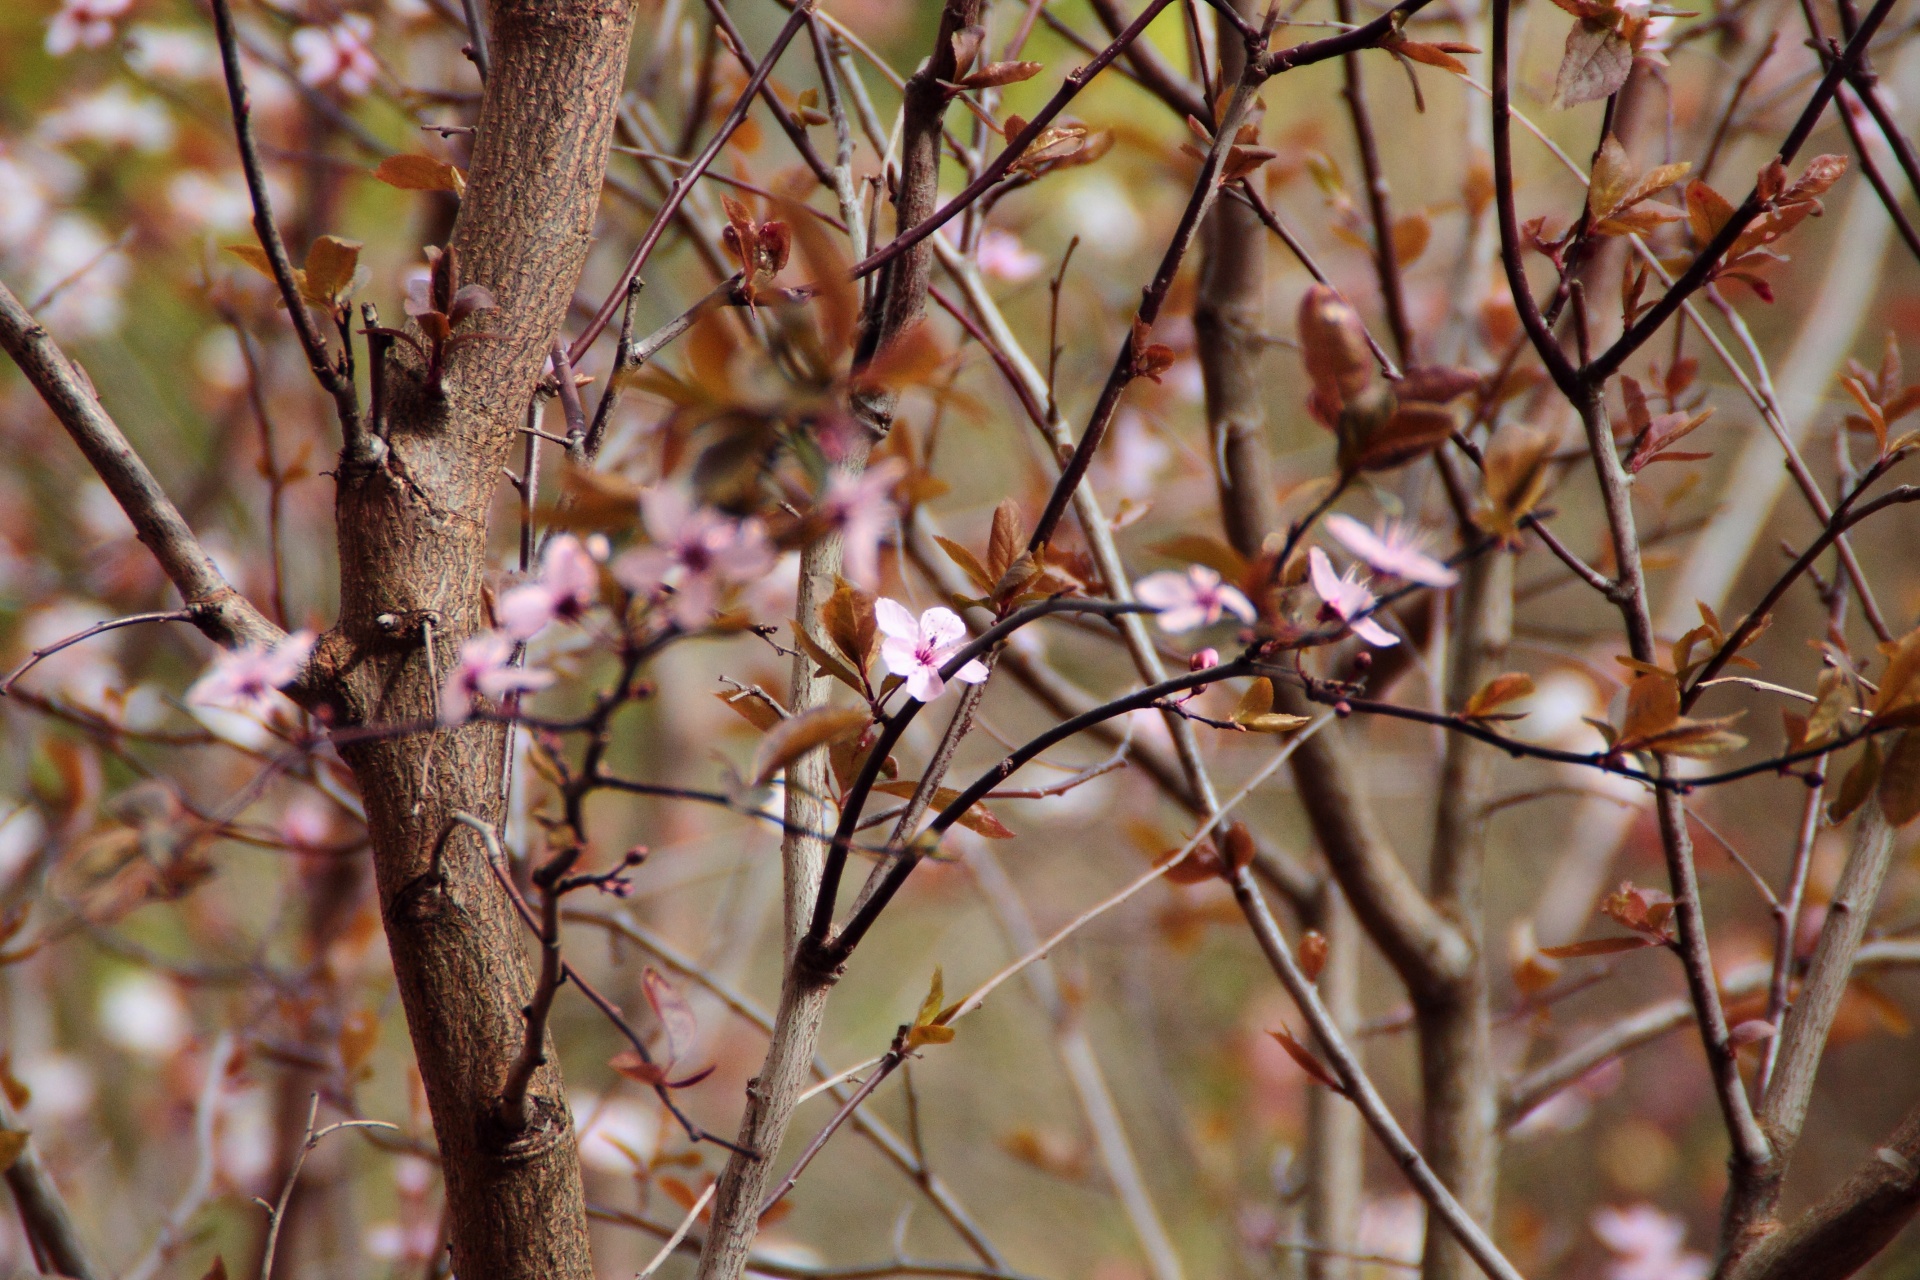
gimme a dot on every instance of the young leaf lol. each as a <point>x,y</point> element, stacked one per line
<point>1256,714</point>
<point>1313,954</point>
<point>421,173</point>
<point>848,619</point>
<point>332,264</point>
<point>1004,540</point>
<point>969,564</point>
<point>1899,790</point>
<point>1307,1062</point>
<point>1597,947</point>
<point>830,664</point>
<point>1595,65</point>
<point>1496,693</point>
<point>929,1024</point>
<point>675,1014</point>
<point>1856,785</point>
<point>796,736</point>
<point>753,708</point>
<point>978,818</point>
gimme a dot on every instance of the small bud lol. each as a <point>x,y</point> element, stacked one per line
<point>1203,660</point>
<point>1343,708</point>
<point>1313,953</point>
<point>1363,660</point>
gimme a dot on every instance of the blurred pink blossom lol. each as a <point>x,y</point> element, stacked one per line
<point>1647,1245</point>
<point>568,586</point>
<point>696,553</point>
<point>83,24</point>
<point>1196,598</point>
<point>916,649</point>
<point>249,679</point>
<point>485,669</point>
<point>1394,550</point>
<point>1347,599</point>
<point>337,55</point>
<point>861,507</point>
<point>1003,257</point>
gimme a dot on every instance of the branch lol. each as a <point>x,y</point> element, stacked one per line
<point>221,613</point>
<point>43,1211</point>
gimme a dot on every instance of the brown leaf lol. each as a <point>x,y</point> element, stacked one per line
<point>1256,714</point>
<point>751,707</point>
<point>830,663</point>
<point>420,173</point>
<point>1412,431</point>
<point>1307,1061</point>
<point>1611,178</point>
<point>1431,54</point>
<point>1597,947</point>
<point>1899,790</point>
<point>1653,704</point>
<point>1656,441</point>
<point>1515,478</point>
<point>1597,62</point>
<point>1496,693</point>
<point>12,1143</point>
<point>969,564</point>
<point>978,818</point>
<point>331,266</point>
<point>1411,234</point>
<point>995,74</point>
<point>1004,540</point>
<point>359,1034</point>
<point>848,619</point>
<point>800,734</point>
<point>1333,346</point>
<point>1707,211</point>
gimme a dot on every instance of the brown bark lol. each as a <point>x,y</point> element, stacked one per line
<point>413,557</point>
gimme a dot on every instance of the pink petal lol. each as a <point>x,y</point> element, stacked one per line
<point>973,673</point>
<point>897,621</point>
<point>942,628</point>
<point>1326,584</point>
<point>1375,634</point>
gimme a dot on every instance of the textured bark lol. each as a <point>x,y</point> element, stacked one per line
<point>1457,1071</point>
<point>413,559</point>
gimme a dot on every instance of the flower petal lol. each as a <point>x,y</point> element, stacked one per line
<point>897,621</point>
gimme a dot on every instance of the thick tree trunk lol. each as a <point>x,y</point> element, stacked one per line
<point>413,538</point>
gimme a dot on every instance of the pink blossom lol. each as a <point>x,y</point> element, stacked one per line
<point>1395,550</point>
<point>916,650</point>
<point>248,679</point>
<point>485,670</point>
<point>1347,599</point>
<point>1002,256</point>
<point>1647,1245</point>
<point>337,55</point>
<point>1196,598</point>
<point>695,553</point>
<point>861,507</point>
<point>568,586</point>
<point>83,24</point>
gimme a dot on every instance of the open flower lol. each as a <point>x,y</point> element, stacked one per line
<point>1647,1245</point>
<point>249,679</point>
<point>861,507</point>
<point>568,586</point>
<point>915,650</point>
<point>337,55</point>
<point>1196,598</point>
<point>1395,550</point>
<point>485,670</point>
<point>83,24</point>
<point>696,553</point>
<point>1347,599</point>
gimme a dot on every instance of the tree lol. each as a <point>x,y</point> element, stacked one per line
<point>809,402</point>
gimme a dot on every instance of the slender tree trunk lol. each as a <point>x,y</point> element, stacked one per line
<point>413,536</point>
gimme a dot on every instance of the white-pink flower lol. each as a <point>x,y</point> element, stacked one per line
<point>1002,256</point>
<point>1346,598</point>
<point>249,679</point>
<point>1647,1245</point>
<point>337,55</point>
<point>485,670</point>
<point>861,507</point>
<point>1196,598</point>
<point>695,552</point>
<point>83,24</point>
<point>1395,550</point>
<point>916,649</point>
<point>568,586</point>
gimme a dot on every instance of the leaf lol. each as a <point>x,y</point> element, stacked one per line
<point>1256,714</point>
<point>675,1014</point>
<point>1653,704</point>
<point>1515,478</point>
<point>1857,784</point>
<point>930,1023</point>
<point>1596,63</point>
<point>1611,179</point>
<point>1660,435</point>
<point>1432,55</point>
<point>800,734</point>
<point>332,264</point>
<point>1707,212</point>
<point>995,74</point>
<point>969,564</point>
<point>848,619</point>
<point>421,173</point>
<point>1237,847</point>
<point>1597,947</point>
<point>1413,430</point>
<point>1004,541</point>
<point>1307,1061</point>
<point>1833,699</point>
<point>1496,693</point>
<point>634,1067</point>
<point>830,663</point>
<point>978,818</point>
<point>12,1143</point>
<point>1899,791</point>
<point>1198,548</point>
<point>752,708</point>
<point>217,1271</point>
<point>256,257</point>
